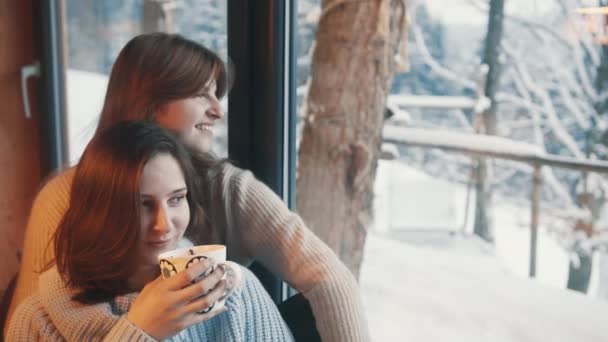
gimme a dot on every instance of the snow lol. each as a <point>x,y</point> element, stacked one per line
<point>461,141</point>
<point>85,94</point>
<point>421,283</point>
<point>400,117</point>
<point>467,12</point>
<point>457,12</point>
<point>426,294</point>
<point>437,102</point>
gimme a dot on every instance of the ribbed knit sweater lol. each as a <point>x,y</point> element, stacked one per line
<point>254,224</point>
<point>52,315</point>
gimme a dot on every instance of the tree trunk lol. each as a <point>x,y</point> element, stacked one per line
<point>351,73</point>
<point>483,221</point>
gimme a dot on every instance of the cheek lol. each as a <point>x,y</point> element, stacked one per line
<point>177,118</point>
<point>144,220</point>
<point>183,219</point>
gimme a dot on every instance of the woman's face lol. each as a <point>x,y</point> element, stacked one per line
<point>193,119</point>
<point>164,209</point>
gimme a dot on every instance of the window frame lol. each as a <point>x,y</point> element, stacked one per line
<point>262,102</point>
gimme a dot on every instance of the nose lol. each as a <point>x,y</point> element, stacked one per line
<point>160,224</point>
<point>215,110</point>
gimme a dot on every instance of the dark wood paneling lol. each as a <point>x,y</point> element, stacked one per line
<point>20,153</point>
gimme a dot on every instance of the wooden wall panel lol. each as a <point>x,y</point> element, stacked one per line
<point>20,150</point>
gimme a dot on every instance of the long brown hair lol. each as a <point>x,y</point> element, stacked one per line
<point>97,235</point>
<point>155,68</point>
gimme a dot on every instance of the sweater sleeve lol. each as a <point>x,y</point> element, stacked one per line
<point>124,330</point>
<point>75,321</point>
<point>279,239</point>
<point>46,213</point>
<point>30,323</point>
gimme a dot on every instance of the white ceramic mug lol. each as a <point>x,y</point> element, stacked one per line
<point>175,261</point>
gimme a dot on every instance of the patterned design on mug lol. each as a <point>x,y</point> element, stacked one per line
<point>195,260</point>
<point>167,268</point>
<point>207,309</point>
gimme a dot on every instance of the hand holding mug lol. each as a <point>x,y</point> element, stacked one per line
<point>166,306</point>
<point>192,288</point>
<point>173,262</point>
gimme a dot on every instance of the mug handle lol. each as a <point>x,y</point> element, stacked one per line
<point>233,277</point>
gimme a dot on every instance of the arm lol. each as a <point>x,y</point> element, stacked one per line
<point>162,309</point>
<point>30,323</point>
<point>48,209</point>
<point>278,238</point>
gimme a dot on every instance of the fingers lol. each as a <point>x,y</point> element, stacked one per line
<point>153,284</point>
<point>190,275</point>
<point>205,302</point>
<point>201,287</point>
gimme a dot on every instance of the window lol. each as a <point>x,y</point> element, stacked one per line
<point>97,30</point>
<point>425,274</point>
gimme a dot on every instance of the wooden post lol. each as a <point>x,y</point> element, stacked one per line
<point>536,182</point>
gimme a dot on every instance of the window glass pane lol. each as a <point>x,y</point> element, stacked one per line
<point>426,273</point>
<point>97,30</point>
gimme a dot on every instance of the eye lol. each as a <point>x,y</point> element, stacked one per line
<point>209,96</point>
<point>147,204</point>
<point>205,94</point>
<point>177,199</point>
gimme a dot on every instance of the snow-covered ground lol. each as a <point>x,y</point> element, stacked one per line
<point>422,293</point>
<point>426,278</point>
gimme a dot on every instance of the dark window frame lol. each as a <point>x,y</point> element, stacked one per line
<point>262,102</point>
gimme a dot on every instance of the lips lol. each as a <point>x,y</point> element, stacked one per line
<point>159,243</point>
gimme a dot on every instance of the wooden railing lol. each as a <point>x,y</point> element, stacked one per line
<point>498,148</point>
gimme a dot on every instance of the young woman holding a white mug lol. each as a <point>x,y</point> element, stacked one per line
<point>134,195</point>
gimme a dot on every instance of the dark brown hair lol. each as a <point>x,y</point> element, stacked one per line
<point>153,69</point>
<point>97,235</point>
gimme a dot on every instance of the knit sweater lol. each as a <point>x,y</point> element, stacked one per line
<point>254,224</point>
<point>52,315</point>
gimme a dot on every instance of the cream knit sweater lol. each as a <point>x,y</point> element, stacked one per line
<point>255,225</point>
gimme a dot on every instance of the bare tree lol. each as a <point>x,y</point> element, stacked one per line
<point>483,225</point>
<point>553,91</point>
<point>351,73</point>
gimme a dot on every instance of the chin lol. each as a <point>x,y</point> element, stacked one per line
<point>201,147</point>
<point>205,147</point>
